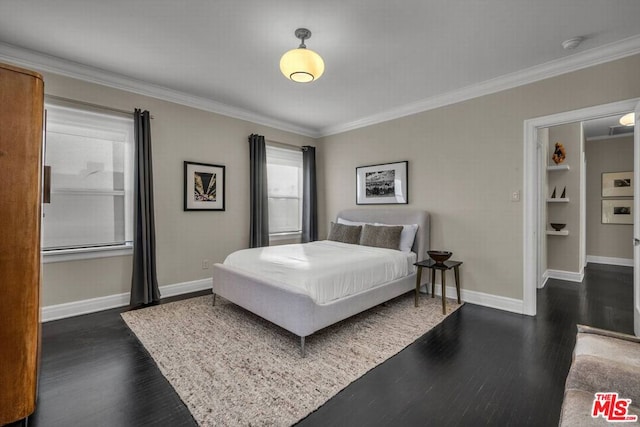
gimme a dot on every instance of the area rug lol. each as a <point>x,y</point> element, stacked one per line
<point>231,367</point>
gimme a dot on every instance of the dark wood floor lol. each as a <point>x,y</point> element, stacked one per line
<point>479,367</point>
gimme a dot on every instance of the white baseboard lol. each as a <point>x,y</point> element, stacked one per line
<point>76,308</point>
<point>545,279</point>
<point>185,287</point>
<point>487,300</point>
<point>570,276</point>
<point>625,262</point>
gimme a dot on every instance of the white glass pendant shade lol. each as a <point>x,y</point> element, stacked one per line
<point>628,119</point>
<point>301,65</point>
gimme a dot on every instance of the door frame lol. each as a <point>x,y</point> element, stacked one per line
<point>533,168</point>
<point>636,223</point>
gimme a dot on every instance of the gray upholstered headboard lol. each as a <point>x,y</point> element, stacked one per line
<point>395,216</point>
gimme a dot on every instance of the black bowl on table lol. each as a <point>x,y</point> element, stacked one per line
<point>439,256</point>
<point>557,226</point>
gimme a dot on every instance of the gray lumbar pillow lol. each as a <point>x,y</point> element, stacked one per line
<point>382,236</point>
<point>345,233</point>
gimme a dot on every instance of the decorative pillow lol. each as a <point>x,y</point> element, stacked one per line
<point>345,233</point>
<point>381,236</point>
<point>407,236</point>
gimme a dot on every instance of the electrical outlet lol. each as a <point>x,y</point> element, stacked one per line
<point>205,264</point>
<point>515,196</point>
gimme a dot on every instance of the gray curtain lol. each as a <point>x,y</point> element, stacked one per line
<point>144,280</point>
<point>259,205</point>
<point>309,195</point>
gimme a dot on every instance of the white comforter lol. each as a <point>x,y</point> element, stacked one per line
<point>325,270</point>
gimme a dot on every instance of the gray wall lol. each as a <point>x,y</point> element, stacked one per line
<point>465,160</point>
<point>563,252</point>
<point>183,238</point>
<point>608,155</point>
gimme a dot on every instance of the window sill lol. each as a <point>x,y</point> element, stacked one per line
<point>294,235</point>
<point>64,255</point>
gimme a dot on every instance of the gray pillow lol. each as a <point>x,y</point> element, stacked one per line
<point>381,237</point>
<point>345,233</point>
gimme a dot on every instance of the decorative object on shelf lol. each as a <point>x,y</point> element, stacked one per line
<point>204,186</point>
<point>302,65</point>
<point>564,193</point>
<point>559,154</point>
<point>617,184</point>
<point>553,195</point>
<point>617,211</point>
<point>439,256</point>
<point>382,184</point>
<point>557,226</point>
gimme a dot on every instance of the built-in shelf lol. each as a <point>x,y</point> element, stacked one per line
<point>558,200</point>
<point>558,168</point>
<point>557,233</point>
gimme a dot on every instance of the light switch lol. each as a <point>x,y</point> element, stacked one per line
<point>515,196</point>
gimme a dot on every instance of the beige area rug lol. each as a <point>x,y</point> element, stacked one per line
<point>231,367</point>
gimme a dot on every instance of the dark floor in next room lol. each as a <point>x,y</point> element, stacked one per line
<point>479,367</point>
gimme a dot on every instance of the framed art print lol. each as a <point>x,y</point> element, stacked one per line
<point>617,184</point>
<point>204,186</point>
<point>617,211</point>
<point>382,184</point>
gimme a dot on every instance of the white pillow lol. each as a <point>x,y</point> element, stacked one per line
<point>347,222</point>
<point>407,236</point>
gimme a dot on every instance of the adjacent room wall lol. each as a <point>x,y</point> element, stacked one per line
<point>563,252</point>
<point>607,155</point>
<point>465,161</point>
<point>184,239</point>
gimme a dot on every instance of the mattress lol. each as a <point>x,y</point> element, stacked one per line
<point>325,270</point>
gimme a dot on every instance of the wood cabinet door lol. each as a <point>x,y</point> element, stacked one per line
<point>21,116</point>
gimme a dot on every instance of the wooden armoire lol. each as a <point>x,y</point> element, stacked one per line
<point>21,121</point>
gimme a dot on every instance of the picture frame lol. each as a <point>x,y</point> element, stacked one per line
<point>204,187</point>
<point>617,211</point>
<point>617,184</point>
<point>382,184</point>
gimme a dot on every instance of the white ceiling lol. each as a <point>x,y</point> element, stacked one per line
<point>605,126</point>
<point>383,59</point>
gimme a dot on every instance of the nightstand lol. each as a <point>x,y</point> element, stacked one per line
<point>443,267</point>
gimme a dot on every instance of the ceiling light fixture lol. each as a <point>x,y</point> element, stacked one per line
<point>628,119</point>
<point>302,65</point>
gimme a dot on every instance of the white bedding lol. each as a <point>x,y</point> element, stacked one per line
<point>325,270</point>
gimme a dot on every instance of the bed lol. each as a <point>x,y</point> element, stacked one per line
<point>293,308</point>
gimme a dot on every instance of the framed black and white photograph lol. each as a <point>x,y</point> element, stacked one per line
<point>617,184</point>
<point>382,184</point>
<point>617,211</point>
<point>204,186</point>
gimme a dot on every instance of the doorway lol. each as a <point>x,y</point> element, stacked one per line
<point>534,165</point>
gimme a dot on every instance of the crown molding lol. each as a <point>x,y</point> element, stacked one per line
<point>588,58</point>
<point>47,63</point>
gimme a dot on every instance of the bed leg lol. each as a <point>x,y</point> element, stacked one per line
<point>214,299</point>
<point>302,352</point>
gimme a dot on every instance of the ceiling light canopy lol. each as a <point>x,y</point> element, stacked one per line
<point>628,119</point>
<point>302,65</point>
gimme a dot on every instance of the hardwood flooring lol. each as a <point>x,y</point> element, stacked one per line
<point>479,367</point>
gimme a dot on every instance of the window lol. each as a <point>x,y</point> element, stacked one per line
<point>284,178</point>
<point>91,158</point>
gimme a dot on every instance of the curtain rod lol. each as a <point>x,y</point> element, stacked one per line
<point>88,104</point>
<point>284,145</point>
